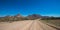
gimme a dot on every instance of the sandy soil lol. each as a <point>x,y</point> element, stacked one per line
<point>25,25</point>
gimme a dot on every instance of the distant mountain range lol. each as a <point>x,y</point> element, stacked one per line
<point>29,17</point>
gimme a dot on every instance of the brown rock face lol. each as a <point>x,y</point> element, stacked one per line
<point>18,15</point>
<point>34,16</point>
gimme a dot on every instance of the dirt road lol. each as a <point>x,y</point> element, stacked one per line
<point>25,25</point>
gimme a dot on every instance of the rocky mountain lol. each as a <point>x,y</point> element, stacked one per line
<point>34,16</point>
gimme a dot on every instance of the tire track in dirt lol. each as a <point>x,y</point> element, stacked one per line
<point>46,27</point>
<point>26,25</point>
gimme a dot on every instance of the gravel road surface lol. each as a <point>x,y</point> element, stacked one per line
<point>25,25</point>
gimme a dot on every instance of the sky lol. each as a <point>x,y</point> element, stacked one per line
<point>26,7</point>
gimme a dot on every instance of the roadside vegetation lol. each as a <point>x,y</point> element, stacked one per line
<point>52,20</point>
